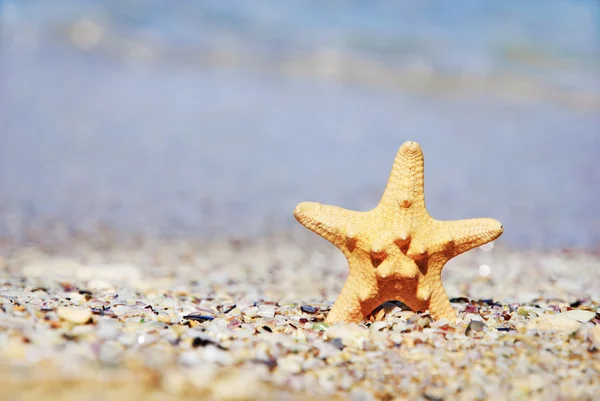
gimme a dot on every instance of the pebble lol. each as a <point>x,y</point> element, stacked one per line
<point>199,318</point>
<point>337,342</point>
<point>581,316</point>
<point>350,334</point>
<point>163,317</point>
<point>126,311</point>
<point>569,321</point>
<point>400,326</point>
<point>76,298</point>
<point>423,322</point>
<point>474,327</point>
<point>439,323</point>
<point>406,314</point>
<point>378,326</point>
<point>250,312</point>
<point>74,315</point>
<point>320,326</point>
<point>267,312</point>
<point>309,309</point>
<point>328,349</point>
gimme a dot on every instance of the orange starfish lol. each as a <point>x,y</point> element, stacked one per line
<point>395,251</point>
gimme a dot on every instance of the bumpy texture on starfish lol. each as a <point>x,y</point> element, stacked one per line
<point>395,251</point>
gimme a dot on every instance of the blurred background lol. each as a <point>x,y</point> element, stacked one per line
<point>215,118</point>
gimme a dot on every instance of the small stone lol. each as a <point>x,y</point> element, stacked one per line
<point>250,312</point>
<point>407,314</point>
<point>337,342</point>
<point>320,326</point>
<point>350,334</point>
<point>567,321</point>
<point>309,309</point>
<point>199,318</point>
<point>400,326</point>
<point>380,315</point>
<point>474,326</point>
<point>378,326</point>
<point>328,348</point>
<point>74,315</point>
<point>163,318</point>
<point>580,315</point>
<point>124,311</point>
<point>439,323</point>
<point>267,312</point>
<point>396,338</point>
<point>76,298</point>
<point>234,312</point>
<point>203,342</point>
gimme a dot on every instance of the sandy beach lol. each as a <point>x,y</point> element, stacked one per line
<point>151,156</point>
<point>237,319</point>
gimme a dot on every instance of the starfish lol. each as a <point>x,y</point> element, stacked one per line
<point>395,251</point>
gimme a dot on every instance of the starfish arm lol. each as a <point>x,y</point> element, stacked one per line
<point>357,299</point>
<point>430,293</point>
<point>406,182</point>
<point>439,304</point>
<point>468,234</point>
<point>330,222</point>
<point>346,307</point>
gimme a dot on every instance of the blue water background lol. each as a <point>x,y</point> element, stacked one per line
<point>217,117</point>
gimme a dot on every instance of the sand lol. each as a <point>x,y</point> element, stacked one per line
<point>237,319</point>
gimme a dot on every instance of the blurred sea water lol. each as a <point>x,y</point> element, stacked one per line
<point>216,118</point>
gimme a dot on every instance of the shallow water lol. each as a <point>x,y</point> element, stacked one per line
<point>217,119</point>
